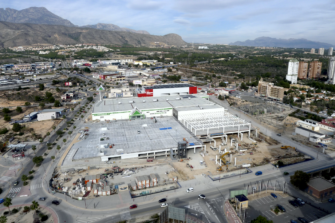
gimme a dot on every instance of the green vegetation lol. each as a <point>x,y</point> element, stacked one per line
<point>41,87</point>
<point>38,160</point>
<point>3,131</point>
<point>300,179</point>
<point>261,219</point>
<point>19,110</point>
<point>16,127</point>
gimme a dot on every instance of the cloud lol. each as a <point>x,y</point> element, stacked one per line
<point>144,5</point>
<point>182,21</point>
<point>249,15</point>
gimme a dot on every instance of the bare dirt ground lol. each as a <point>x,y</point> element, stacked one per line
<point>8,103</point>
<point>21,217</point>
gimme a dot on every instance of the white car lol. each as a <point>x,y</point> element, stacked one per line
<point>190,190</point>
<point>164,205</point>
<point>202,196</point>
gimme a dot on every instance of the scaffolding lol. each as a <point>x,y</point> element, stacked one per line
<point>214,123</point>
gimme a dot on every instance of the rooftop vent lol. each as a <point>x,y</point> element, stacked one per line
<point>155,99</point>
<point>177,98</point>
<point>119,102</point>
<point>189,98</point>
<point>143,101</point>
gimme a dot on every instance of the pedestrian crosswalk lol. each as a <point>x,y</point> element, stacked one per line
<point>13,192</point>
<point>82,219</point>
<point>35,186</point>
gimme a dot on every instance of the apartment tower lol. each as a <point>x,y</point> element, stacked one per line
<point>321,51</point>
<point>331,70</point>
<point>315,70</point>
<point>303,70</point>
<point>312,50</point>
<point>330,51</point>
<point>269,90</point>
<point>292,72</point>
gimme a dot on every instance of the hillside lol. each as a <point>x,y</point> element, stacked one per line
<point>112,27</point>
<point>288,43</point>
<point>16,34</point>
<point>35,15</point>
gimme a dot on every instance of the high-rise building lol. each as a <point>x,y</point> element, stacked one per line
<point>330,51</point>
<point>303,70</point>
<point>315,69</point>
<point>331,70</point>
<point>321,51</point>
<point>269,90</point>
<point>312,50</point>
<point>292,72</point>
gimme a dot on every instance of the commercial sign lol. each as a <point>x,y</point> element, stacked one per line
<point>137,82</point>
<point>100,88</point>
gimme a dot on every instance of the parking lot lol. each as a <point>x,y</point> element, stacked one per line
<point>263,206</point>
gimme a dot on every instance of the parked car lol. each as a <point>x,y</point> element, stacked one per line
<point>202,196</point>
<point>258,173</point>
<point>286,173</point>
<point>133,206</point>
<point>164,205</point>
<point>293,221</point>
<point>300,201</point>
<point>293,203</point>
<point>278,134</point>
<point>190,190</point>
<point>162,200</point>
<point>302,220</point>
<point>331,200</point>
<point>281,208</point>
<point>42,198</point>
<point>55,202</point>
<point>2,200</point>
<point>273,195</point>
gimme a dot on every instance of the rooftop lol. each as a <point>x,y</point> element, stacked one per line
<point>52,110</point>
<point>241,197</point>
<point>161,86</point>
<point>317,133</point>
<point>126,139</point>
<point>320,184</point>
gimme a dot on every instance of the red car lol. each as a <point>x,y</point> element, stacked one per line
<point>133,206</point>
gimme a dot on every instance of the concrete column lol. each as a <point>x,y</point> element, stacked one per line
<point>154,155</point>
<point>216,159</point>
<point>220,162</point>
<point>236,146</point>
<point>241,136</point>
<point>235,161</point>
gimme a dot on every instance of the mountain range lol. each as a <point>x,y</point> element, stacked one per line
<point>26,34</point>
<point>40,15</point>
<point>287,43</point>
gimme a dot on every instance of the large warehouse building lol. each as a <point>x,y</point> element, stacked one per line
<point>152,127</point>
<point>168,89</point>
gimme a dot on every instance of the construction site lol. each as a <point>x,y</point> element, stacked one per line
<point>158,152</point>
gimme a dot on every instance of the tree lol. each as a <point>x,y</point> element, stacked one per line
<point>57,89</point>
<point>300,179</point>
<point>41,87</point>
<point>24,178</point>
<point>90,99</point>
<point>34,205</point>
<point>3,219</point>
<point>222,84</point>
<point>48,94</point>
<point>33,148</point>
<point>53,158</point>
<point>19,110</point>
<point>261,219</point>
<point>64,140</point>
<point>37,98</point>
<point>27,103</point>
<point>16,127</point>
<point>42,105</point>
<point>7,203</point>
<point>87,70</point>
<point>57,104</point>
<point>7,118</point>
<point>5,110</point>
<point>58,147</point>
<point>38,160</point>
<point>280,163</point>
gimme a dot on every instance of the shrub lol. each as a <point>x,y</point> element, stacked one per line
<point>32,171</point>
<point>26,209</point>
<point>44,218</point>
<point>31,177</point>
<point>7,118</point>
<point>6,213</point>
<point>5,110</point>
<point>14,211</point>
<point>3,131</point>
<point>16,127</point>
<point>19,110</point>
<point>276,210</point>
<point>27,103</point>
<point>25,183</point>
<point>21,133</point>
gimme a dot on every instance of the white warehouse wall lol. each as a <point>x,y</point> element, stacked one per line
<point>46,116</point>
<point>157,112</point>
<point>190,113</point>
<point>111,115</point>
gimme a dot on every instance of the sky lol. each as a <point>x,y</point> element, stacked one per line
<point>201,21</point>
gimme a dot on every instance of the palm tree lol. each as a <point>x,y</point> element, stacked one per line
<point>33,148</point>
<point>3,219</point>
<point>34,205</point>
<point>7,202</point>
<point>53,158</point>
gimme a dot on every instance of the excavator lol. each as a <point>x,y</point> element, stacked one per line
<point>288,147</point>
<point>224,162</point>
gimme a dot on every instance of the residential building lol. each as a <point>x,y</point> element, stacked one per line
<point>303,70</point>
<point>292,72</point>
<point>331,70</point>
<point>203,47</point>
<point>267,89</point>
<point>330,51</point>
<point>315,69</point>
<point>312,50</point>
<point>321,51</point>
<point>120,92</point>
<point>320,188</point>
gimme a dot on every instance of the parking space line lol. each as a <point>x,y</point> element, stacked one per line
<point>267,214</point>
<point>309,217</point>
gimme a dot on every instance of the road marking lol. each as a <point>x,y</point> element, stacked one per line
<point>13,192</point>
<point>90,220</point>
<point>35,186</point>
